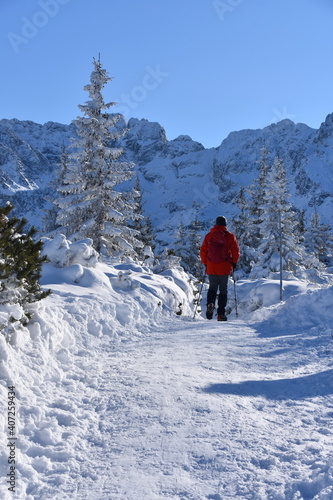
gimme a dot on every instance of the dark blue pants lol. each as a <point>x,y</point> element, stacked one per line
<point>216,283</point>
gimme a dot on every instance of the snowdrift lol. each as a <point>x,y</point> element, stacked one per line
<point>89,300</point>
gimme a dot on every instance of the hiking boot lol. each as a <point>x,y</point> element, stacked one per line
<point>221,317</point>
<point>210,311</point>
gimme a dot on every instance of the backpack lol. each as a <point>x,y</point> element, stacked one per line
<point>218,247</point>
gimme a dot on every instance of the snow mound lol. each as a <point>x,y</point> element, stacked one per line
<point>62,252</point>
<point>305,312</point>
<point>255,294</point>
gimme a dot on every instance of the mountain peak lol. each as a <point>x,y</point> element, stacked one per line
<point>326,128</point>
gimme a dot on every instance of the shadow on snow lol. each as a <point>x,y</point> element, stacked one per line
<point>309,386</point>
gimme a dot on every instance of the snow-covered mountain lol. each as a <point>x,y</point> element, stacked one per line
<point>177,176</point>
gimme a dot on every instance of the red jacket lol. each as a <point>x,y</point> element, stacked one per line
<point>220,268</point>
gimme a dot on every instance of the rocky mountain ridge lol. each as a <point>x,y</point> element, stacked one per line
<point>178,177</point>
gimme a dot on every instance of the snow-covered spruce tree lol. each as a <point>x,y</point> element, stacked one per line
<point>255,208</point>
<point>277,221</point>
<point>141,224</point>
<point>319,239</point>
<point>187,246</point>
<point>300,227</point>
<point>57,185</point>
<point>20,264</point>
<point>91,206</point>
<point>195,240</point>
<point>180,246</point>
<point>243,231</point>
<point>168,260</point>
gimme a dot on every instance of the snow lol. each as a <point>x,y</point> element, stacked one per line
<point>62,252</point>
<point>119,396</point>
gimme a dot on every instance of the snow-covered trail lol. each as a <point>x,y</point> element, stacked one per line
<point>201,410</point>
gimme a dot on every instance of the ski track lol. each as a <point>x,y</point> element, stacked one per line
<point>193,410</point>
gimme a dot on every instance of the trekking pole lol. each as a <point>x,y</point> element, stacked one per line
<point>236,307</point>
<point>202,284</point>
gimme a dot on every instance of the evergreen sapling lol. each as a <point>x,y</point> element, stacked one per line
<point>20,264</point>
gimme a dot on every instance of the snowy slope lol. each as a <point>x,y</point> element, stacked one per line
<point>118,397</point>
<point>29,155</point>
<point>176,176</point>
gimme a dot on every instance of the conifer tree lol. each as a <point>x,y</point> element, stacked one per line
<point>180,247</point>
<point>141,222</point>
<point>167,260</point>
<point>278,224</point>
<point>300,227</point>
<point>187,246</point>
<point>247,224</point>
<point>243,231</point>
<point>319,239</point>
<point>20,262</point>
<point>195,241</point>
<point>58,185</point>
<point>255,209</point>
<point>92,206</point>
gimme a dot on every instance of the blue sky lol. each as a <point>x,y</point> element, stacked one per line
<point>203,68</point>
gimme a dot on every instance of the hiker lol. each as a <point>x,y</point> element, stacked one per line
<point>219,253</point>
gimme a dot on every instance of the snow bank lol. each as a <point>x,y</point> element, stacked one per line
<point>255,294</point>
<point>121,301</point>
<point>168,288</point>
<point>308,312</point>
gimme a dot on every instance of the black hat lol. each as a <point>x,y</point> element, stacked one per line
<point>221,221</point>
